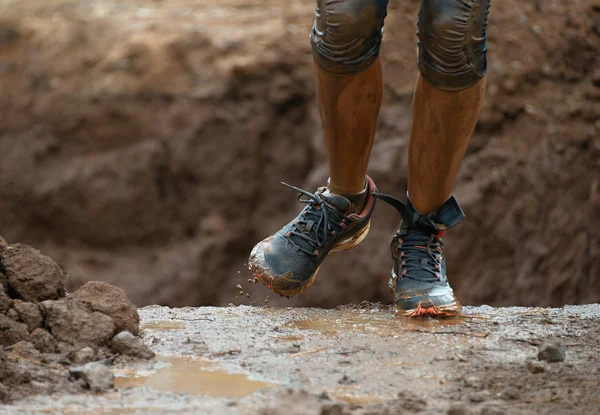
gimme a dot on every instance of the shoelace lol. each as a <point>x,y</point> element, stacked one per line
<point>328,219</point>
<point>420,256</point>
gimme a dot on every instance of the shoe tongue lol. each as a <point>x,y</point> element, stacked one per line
<point>419,256</point>
<point>340,203</point>
<point>416,236</point>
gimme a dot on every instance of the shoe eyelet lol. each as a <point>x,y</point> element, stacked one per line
<point>316,252</point>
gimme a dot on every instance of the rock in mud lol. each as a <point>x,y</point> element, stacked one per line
<point>127,344</point>
<point>11,331</point>
<point>43,341</point>
<point>26,350</point>
<point>29,313</point>
<point>552,352</point>
<point>537,367</point>
<point>96,376</point>
<point>112,301</point>
<point>3,243</point>
<point>31,275</point>
<point>73,323</point>
<point>84,355</point>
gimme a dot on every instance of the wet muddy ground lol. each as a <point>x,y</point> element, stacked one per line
<point>356,359</point>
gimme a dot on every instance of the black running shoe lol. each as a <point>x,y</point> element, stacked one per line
<point>419,281</point>
<point>288,261</point>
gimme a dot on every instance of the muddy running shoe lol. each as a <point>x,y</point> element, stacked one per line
<point>419,280</point>
<point>288,261</point>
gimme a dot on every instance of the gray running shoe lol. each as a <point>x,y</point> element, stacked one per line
<point>419,281</point>
<point>288,261</point>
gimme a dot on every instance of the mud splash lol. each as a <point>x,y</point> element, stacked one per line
<point>186,374</point>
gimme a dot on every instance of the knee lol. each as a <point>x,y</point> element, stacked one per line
<point>452,42</point>
<point>346,35</point>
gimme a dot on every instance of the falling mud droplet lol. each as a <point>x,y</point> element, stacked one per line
<point>239,287</point>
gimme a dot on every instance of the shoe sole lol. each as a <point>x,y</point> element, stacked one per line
<point>353,241</point>
<point>279,283</point>
<point>426,307</point>
<point>431,310</point>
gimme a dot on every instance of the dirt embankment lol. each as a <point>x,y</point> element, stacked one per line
<point>45,334</point>
<point>142,144</point>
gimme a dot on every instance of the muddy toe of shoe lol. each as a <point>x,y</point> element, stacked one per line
<point>279,272</point>
<point>443,305</point>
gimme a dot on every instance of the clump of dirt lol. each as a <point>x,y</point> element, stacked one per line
<point>31,276</point>
<point>44,331</point>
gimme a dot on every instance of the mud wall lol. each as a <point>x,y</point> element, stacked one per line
<point>142,143</point>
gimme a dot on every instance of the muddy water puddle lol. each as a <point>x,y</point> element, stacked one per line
<point>186,374</point>
<point>379,323</point>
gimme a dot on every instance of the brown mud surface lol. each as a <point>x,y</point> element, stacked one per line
<point>142,144</point>
<point>350,360</point>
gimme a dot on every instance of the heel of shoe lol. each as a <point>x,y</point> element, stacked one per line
<point>353,241</point>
